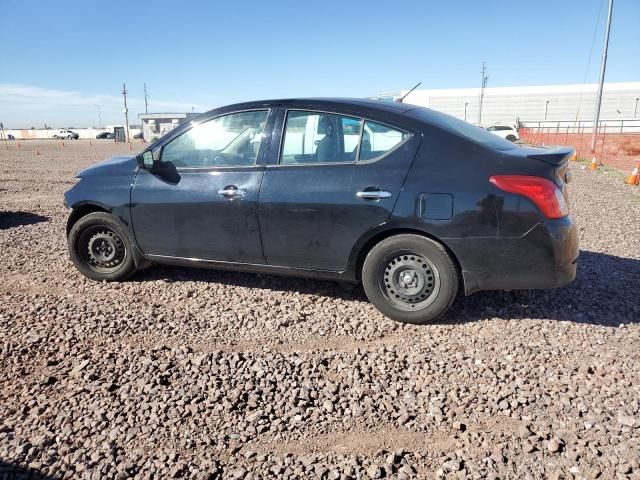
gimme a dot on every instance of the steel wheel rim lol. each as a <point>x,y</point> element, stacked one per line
<point>409,281</point>
<point>102,249</point>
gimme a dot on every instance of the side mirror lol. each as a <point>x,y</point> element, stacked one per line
<point>145,160</point>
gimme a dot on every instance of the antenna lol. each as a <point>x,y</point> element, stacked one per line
<point>405,95</point>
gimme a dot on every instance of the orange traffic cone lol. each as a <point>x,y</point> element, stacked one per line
<point>61,144</point>
<point>573,157</point>
<point>18,144</point>
<point>634,178</point>
<point>90,143</point>
<point>129,146</point>
<point>37,151</point>
<point>594,164</point>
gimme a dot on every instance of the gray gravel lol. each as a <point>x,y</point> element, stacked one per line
<point>201,374</point>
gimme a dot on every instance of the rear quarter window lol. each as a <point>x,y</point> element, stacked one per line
<point>379,139</point>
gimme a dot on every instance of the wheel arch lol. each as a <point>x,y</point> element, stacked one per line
<point>82,210</point>
<point>361,253</point>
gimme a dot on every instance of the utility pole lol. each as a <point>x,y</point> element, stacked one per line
<point>484,85</point>
<point>4,137</point>
<point>635,108</point>
<point>603,67</point>
<point>126,110</point>
<point>99,114</point>
<point>146,99</point>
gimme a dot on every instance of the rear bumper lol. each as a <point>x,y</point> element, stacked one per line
<point>546,257</point>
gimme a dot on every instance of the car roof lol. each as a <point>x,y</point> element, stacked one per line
<point>319,102</point>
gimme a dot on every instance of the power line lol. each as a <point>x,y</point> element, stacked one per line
<point>588,66</point>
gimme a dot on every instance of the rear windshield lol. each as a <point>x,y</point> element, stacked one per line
<point>462,128</point>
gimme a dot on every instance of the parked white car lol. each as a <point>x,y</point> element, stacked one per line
<point>504,130</point>
<point>68,134</point>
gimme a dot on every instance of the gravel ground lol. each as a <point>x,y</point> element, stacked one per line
<point>204,374</point>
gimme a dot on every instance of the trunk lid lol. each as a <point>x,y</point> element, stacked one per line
<point>558,158</point>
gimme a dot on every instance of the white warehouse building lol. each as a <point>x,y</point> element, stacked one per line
<point>533,104</point>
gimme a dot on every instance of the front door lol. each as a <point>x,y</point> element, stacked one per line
<point>333,178</point>
<point>201,201</point>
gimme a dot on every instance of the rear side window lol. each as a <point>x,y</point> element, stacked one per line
<point>317,137</point>
<point>378,139</point>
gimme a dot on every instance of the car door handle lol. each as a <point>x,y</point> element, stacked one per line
<point>231,192</point>
<point>373,194</point>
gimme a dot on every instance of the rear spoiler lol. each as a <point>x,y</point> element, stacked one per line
<point>555,156</point>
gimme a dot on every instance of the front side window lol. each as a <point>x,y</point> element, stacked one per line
<point>314,137</point>
<point>378,139</point>
<point>230,140</point>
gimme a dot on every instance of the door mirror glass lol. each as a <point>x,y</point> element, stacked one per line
<point>147,160</point>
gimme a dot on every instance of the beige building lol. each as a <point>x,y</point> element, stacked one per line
<point>155,125</point>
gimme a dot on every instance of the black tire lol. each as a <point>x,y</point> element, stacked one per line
<point>100,249</point>
<point>511,138</point>
<point>410,278</point>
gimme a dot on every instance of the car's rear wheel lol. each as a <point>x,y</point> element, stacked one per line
<point>100,249</point>
<point>410,278</point>
<point>511,138</point>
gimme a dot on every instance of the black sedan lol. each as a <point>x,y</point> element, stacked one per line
<point>104,135</point>
<point>410,202</point>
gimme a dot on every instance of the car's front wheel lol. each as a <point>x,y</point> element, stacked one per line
<point>511,138</point>
<point>410,278</point>
<point>100,249</point>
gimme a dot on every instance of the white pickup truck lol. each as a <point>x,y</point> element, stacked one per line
<point>66,134</point>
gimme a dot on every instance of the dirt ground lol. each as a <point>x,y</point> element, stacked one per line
<point>183,373</point>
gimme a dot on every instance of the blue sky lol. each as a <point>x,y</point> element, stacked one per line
<point>61,59</point>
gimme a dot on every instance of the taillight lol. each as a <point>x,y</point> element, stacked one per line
<point>542,192</point>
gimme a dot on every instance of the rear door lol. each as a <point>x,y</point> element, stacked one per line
<point>319,195</point>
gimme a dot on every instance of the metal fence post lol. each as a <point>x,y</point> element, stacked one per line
<point>604,135</point>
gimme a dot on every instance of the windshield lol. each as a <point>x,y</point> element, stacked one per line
<point>462,128</point>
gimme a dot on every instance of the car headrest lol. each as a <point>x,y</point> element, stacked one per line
<point>325,125</point>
